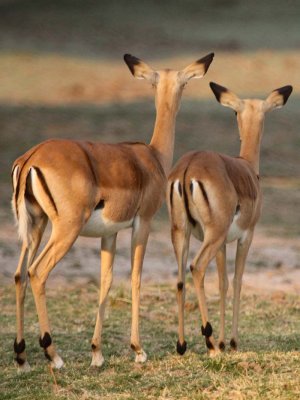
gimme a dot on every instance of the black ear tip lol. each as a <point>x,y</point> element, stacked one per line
<point>131,61</point>
<point>206,60</point>
<point>285,91</point>
<point>217,89</point>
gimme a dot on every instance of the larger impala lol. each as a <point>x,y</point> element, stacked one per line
<point>94,189</point>
<point>217,198</point>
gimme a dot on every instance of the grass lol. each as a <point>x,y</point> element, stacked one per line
<point>267,367</point>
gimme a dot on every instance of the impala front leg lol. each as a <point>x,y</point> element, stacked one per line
<point>241,255</point>
<point>108,249</point>
<point>140,235</point>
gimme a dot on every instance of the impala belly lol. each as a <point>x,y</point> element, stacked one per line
<point>235,232</point>
<point>98,226</point>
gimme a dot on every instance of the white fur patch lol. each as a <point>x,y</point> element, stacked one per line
<point>15,176</point>
<point>176,186</point>
<point>235,232</point>
<point>99,226</point>
<point>195,185</point>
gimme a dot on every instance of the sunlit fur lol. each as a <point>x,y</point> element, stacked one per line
<point>220,202</point>
<point>65,180</point>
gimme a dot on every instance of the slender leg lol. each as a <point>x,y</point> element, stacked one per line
<point>108,249</point>
<point>241,255</point>
<point>180,240</point>
<point>223,287</point>
<point>140,235</point>
<point>207,252</point>
<point>62,237</point>
<point>21,285</point>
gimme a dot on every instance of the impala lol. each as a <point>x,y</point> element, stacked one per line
<point>94,189</point>
<point>218,198</point>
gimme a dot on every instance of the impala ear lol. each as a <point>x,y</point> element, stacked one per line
<point>226,97</point>
<point>277,98</point>
<point>198,68</point>
<point>140,69</point>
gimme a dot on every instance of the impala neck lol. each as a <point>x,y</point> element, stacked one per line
<point>164,132</point>
<point>250,143</point>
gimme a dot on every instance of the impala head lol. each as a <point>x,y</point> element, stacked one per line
<point>250,116</point>
<point>250,111</point>
<point>168,83</point>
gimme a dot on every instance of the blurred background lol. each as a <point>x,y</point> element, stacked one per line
<point>62,75</point>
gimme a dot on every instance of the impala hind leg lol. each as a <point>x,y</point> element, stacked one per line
<point>108,249</point>
<point>139,240</point>
<point>21,276</point>
<point>223,288</point>
<point>62,237</point>
<point>241,256</point>
<point>207,252</point>
<point>180,240</point>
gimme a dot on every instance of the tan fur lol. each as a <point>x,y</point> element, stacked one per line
<point>220,202</point>
<point>65,180</point>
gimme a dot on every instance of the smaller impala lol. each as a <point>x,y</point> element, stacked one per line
<point>218,199</point>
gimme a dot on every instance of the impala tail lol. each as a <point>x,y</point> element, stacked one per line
<point>30,196</point>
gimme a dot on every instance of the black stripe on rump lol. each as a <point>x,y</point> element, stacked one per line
<point>204,194</point>
<point>186,203</point>
<point>171,194</point>
<point>45,187</point>
<point>89,161</point>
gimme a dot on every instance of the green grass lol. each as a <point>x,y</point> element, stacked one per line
<point>267,367</point>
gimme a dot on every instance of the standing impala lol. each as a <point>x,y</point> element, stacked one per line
<point>94,189</point>
<point>217,198</point>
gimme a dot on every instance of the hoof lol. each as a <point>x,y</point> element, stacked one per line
<point>222,346</point>
<point>214,353</point>
<point>181,348</point>
<point>141,357</point>
<point>24,368</point>
<point>57,362</point>
<point>233,345</point>
<point>97,359</point>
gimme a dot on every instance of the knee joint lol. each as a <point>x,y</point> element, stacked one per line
<point>180,286</point>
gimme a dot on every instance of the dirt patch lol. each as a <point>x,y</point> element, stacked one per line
<point>273,264</point>
<point>55,80</point>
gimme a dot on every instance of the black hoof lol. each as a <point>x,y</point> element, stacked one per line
<point>233,344</point>
<point>181,348</point>
<point>222,346</point>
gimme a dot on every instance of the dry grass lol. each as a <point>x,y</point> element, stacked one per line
<point>266,368</point>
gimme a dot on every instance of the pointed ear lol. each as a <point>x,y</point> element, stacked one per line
<point>226,97</point>
<point>140,69</point>
<point>277,98</point>
<point>198,68</point>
